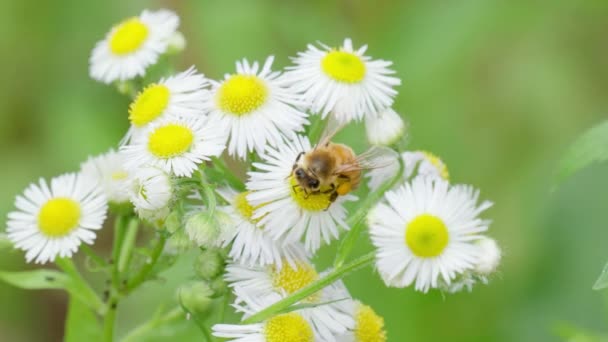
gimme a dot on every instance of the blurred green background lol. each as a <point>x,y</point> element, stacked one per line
<point>498,89</point>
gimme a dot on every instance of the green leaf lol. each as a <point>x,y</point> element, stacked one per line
<point>49,279</point>
<point>36,280</point>
<point>590,148</point>
<point>81,323</point>
<point>602,282</point>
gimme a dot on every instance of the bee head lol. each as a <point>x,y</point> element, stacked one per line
<point>305,180</point>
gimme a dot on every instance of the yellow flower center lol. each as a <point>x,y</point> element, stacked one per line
<point>170,141</point>
<point>343,66</point>
<point>149,104</point>
<point>289,327</point>
<point>242,94</point>
<point>309,201</point>
<point>291,280</point>
<point>438,164</point>
<point>369,326</point>
<point>58,216</point>
<point>426,236</point>
<point>128,36</point>
<point>245,208</point>
<point>119,175</point>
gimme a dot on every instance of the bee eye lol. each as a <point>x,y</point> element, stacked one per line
<point>299,173</point>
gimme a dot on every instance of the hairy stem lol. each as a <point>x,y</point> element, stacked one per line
<point>108,321</point>
<point>127,244</point>
<point>99,261</point>
<point>144,272</point>
<point>84,291</point>
<point>285,303</point>
<point>149,326</point>
<point>207,192</point>
<point>357,221</point>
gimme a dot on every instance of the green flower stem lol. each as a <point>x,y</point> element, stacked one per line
<point>284,304</point>
<point>108,321</point>
<point>82,289</point>
<point>127,244</point>
<point>357,221</point>
<point>203,327</point>
<point>207,192</point>
<point>229,176</point>
<point>120,224</point>
<point>144,272</point>
<point>94,257</point>
<point>316,128</point>
<point>149,326</point>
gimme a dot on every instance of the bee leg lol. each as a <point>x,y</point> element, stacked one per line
<point>294,188</point>
<point>298,158</point>
<point>332,199</point>
<point>330,190</point>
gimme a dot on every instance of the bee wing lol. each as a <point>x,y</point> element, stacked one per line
<point>376,157</point>
<point>332,127</point>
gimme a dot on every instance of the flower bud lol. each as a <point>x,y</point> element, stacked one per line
<point>208,229</point>
<point>219,286</point>
<point>177,43</point>
<point>173,222</point>
<point>195,297</point>
<point>209,264</point>
<point>179,242</point>
<point>385,128</point>
<point>489,256</point>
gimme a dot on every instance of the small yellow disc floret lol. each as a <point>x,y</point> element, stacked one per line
<point>369,326</point>
<point>58,216</point>
<point>242,94</point>
<point>438,164</point>
<point>343,66</point>
<point>311,201</point>
<point>149,104</point>
<point>289,327</point>
<point>128,36</point>
<point>426,236</point>
<point>291,280</point>
<point>170,141</point>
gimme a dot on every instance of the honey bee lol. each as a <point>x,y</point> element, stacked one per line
<point>332,168</point>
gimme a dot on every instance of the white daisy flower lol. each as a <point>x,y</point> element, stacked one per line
<point>177,96</point>
<point>292,327</point>
<point>258,287</point>
<point>486,264</point>
<point>422,163</point>
<point>176,145</point>
<point>251,243</point>
<point>384,128</point>
<point>369,326</point>
<point>417,163</point>
<point>489,256</point>
<point>425,232</point>
<point>132,46</point>
<point>108,169</point>
<point>151,192</point>
<point>53,221</point>
<point>257,108</point>
<point>287,212</point>
<point>342,81</point>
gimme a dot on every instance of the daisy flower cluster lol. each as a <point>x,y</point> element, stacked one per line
<point>256,229</point>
